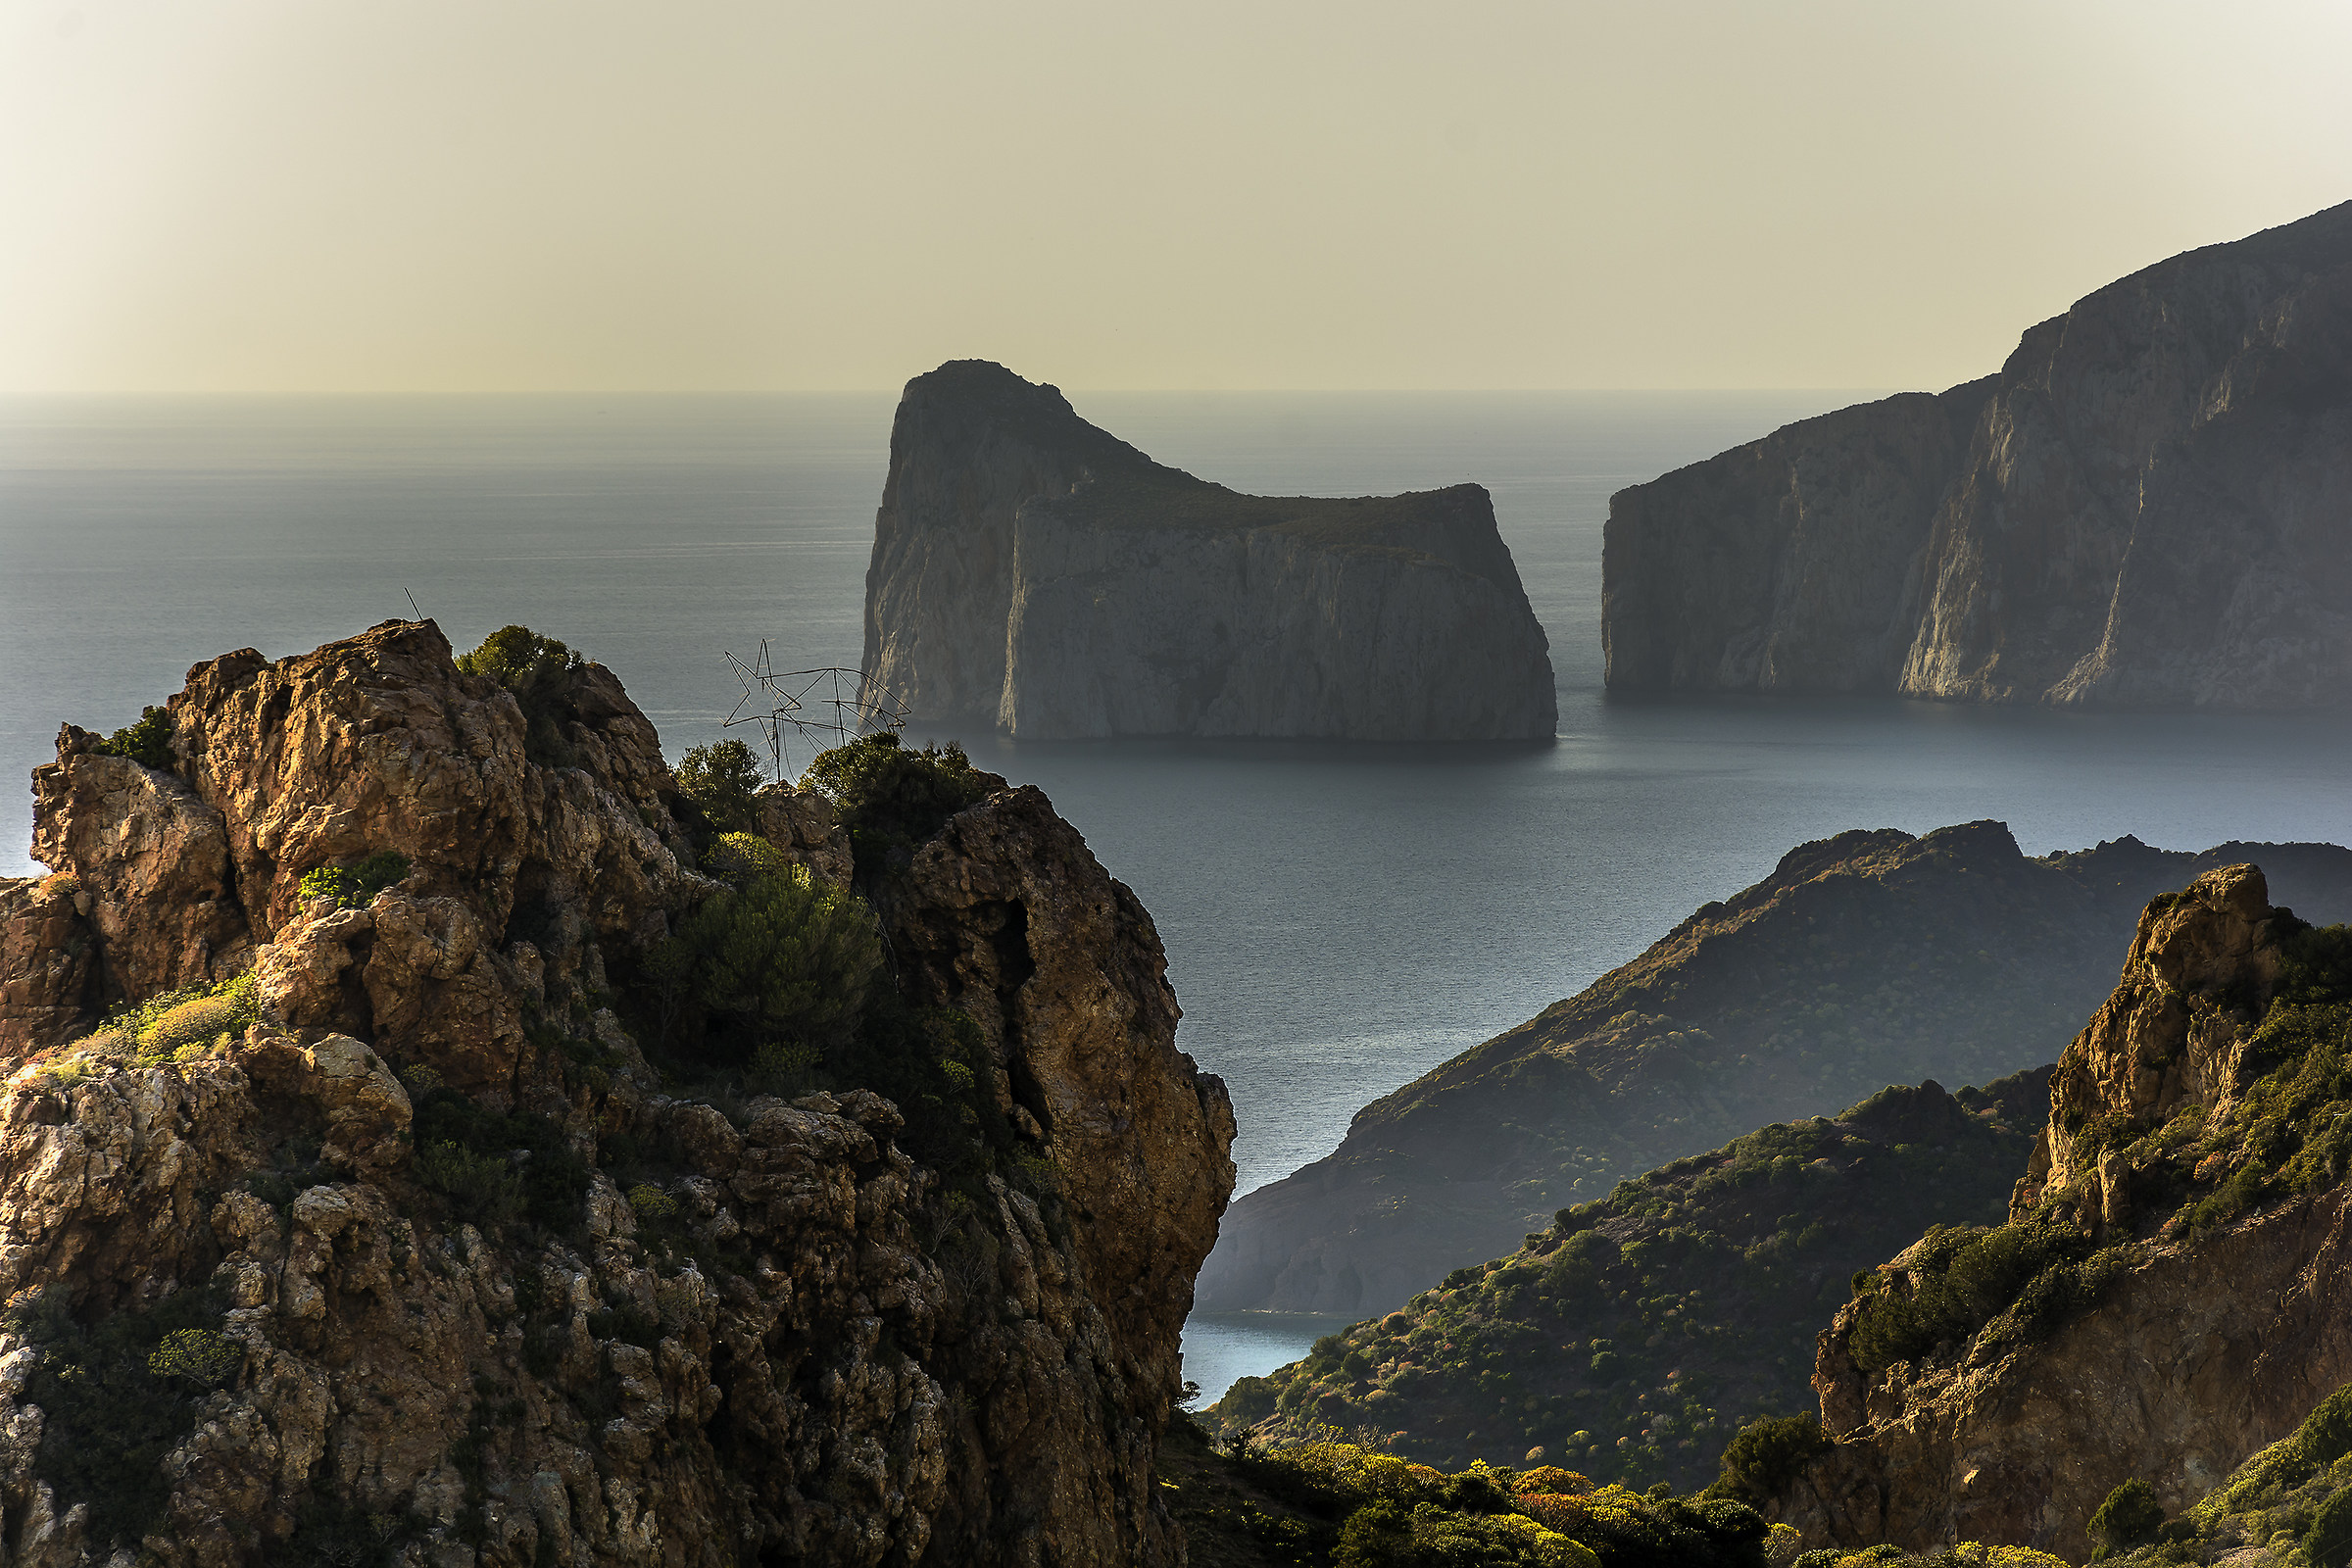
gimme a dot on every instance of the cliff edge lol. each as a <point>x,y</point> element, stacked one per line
<point>344,1217</point>
<point>1038,573</point>
<point>2150,505</point>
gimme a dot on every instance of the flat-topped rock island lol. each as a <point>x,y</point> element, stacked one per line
<point>1037,573</point>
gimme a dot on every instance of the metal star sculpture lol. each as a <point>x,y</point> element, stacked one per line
<point>822,708</point>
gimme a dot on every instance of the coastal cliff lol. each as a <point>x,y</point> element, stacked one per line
<point>2149,504</point>
<point>1869,958</point>
<point>344,1217</point>
<point>1036,573</point>
<point>2161,1300</point>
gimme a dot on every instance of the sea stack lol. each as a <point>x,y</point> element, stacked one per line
<point>1037,573</point>
<point>2149,506</point>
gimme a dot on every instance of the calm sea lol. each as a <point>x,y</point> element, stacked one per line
<point>1336,920</point>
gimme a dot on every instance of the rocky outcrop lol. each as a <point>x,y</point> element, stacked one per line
<point>1864,960</point>
<point>1035,572</point>
<point>689,1332</point>
<point>2147,506</point>
<point>2216,1327</point>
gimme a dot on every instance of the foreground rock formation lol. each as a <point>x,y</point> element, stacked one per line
<point>2167,1296</point>
<point>2149,504</point>
<point>1864,960</point>
<point>1037,573</point>
<point>464,1284</point>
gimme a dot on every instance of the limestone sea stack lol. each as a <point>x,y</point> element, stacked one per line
<point>2149,506</point>
<point>1035,572</point>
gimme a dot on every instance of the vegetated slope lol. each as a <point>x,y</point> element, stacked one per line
<point>396,1248</point>
<point>1036,574</point>
<point>2292,1503</point>
<point>2144,507</point>
<point>2166,1293</point>
<point>1868,958</point>
<point>1631,1339</point>
<point>1329,1501</point>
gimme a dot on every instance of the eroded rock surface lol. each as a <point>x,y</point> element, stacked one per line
<point>2149,504</point>
<point>2205,1347</point>
<point>785,1339</point>
<point>1038,573</point>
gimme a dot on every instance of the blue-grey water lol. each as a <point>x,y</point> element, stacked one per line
<point>1336,920</point>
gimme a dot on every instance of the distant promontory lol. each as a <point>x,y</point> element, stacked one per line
<point>2149,506</point>
<point>1038,573</point>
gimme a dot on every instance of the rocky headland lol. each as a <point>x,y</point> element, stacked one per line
<point>1869,958</point>
<point>386,1175</point>
<point>2163,1298</point>
<point>2150,505</point>
<point>1038,574</point>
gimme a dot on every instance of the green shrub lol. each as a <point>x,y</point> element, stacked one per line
<point>741,857</point>
<point>532,668</point>
<point>2328,1540</point>
<point>786,955</point>
<point>1767,1455</point>
<point>2129,1515</point>
<point>164,1025</point>
<point>111,1415</point>
<point>201,1357</point>
<point>352,886</point>
<point>148,742</point>
<point>468,1156</point>
<point>891,798</point>
<point>719,781</point>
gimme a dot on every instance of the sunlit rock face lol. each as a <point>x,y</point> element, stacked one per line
<point>2150,505</point>
<point>725,1330</point>
<point>1037,573</point>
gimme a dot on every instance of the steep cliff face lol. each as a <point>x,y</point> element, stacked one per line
<point>1864,960</point>
<point>2163,1299</point>
<point>2148,506</point>
<point>399,1251</point>
<point>1036,573</point>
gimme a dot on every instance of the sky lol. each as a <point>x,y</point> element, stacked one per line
<point>286,196</point>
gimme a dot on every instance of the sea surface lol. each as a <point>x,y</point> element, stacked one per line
<point>1337,919</point>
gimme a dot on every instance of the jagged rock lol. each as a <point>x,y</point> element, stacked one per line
<point>802,824</point>
<point>1863,959</point>
<point>2147,506</point>
<point>2200,1350</point>
<point>46,951</point>
<point>798,1344</point>
<point>1036,573</point>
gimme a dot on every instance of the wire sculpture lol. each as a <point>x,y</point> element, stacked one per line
<point>824,708</point>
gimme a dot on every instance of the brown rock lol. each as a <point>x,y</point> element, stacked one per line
<point>46,951</point>
<point>801,822</point>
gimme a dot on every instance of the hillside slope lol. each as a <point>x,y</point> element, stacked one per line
<point>1869,958</point>
<point>1633,1337</point>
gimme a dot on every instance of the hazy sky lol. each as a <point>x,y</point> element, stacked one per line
<point>284,195</point>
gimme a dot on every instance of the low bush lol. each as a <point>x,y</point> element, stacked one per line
<point>719,781</point>
<point>1765,1455</point>
<point>891,798</point>
<point>352,886</point>
<point>786,956</point>
<point>494,1168</point>
<point>119,1395</point>
<point>741,858</point>
<point>532,668</point>
<point>147,742</point>
<point>2129,1515</point>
